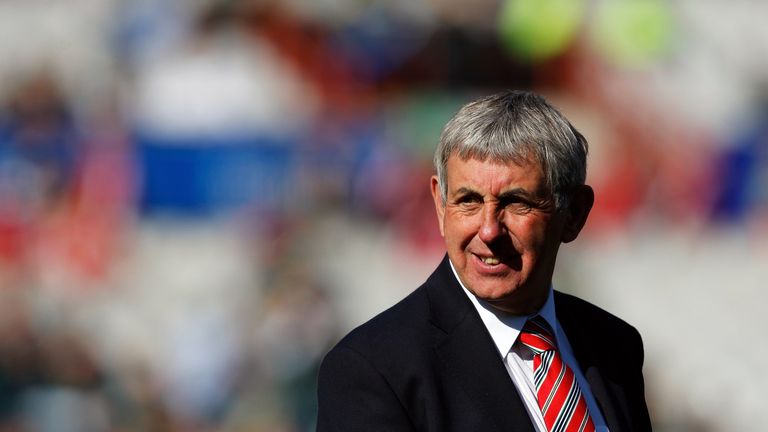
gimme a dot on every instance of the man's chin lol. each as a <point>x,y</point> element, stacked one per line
<point>494,294</point>
<point>511,300</point>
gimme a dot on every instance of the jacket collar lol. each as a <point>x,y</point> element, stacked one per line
<point>588,348</point>
<point>469,355</point>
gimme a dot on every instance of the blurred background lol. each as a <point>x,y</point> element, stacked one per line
<point>199,197</point>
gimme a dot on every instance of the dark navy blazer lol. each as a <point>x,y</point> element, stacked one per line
<point>429,364</point>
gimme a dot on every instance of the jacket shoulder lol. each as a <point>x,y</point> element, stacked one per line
<point>598,334</point>
<point>574,309</point>
<point>395,329</point>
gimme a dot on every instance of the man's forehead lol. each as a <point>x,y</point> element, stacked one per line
<point>515,162</point>
<point>503,159</point>
<point>475,174</point>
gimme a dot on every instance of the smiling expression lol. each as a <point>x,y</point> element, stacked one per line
<point>501,230</point>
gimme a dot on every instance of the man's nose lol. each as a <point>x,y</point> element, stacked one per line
<point>491,225</point>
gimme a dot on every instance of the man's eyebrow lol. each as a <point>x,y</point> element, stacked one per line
<point>465,191</point>
<point>516,192</point>
<point>508,194</point>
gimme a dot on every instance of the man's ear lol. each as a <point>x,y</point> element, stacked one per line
<point>576,214</point>
<point>438,199</point>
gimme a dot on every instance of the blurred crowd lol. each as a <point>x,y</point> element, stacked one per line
<point>181,181</point>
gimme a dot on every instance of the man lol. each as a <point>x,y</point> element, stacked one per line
<point>486,344</point>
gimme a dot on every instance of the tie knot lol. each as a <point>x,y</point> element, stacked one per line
<point>537,335</point>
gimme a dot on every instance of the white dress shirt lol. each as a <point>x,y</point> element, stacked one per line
<point>518,359</point>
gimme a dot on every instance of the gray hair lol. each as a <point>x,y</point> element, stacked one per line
<point>516,126</point>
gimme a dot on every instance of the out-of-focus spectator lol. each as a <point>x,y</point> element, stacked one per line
<point>19,359</point>
<point>741,194</point>
<point>70,397</point>
<point>38,156</point>
<point>39,136</point>
<point>49,379</point>
<point>296,328</point>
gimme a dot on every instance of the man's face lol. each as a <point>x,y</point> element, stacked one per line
<point>502,231</point>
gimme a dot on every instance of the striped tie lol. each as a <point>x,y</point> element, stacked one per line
<point>560,399</point>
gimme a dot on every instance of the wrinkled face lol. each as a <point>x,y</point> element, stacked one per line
<point>501,230</point>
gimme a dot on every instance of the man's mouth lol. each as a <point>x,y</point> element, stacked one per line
<point>489,260</point>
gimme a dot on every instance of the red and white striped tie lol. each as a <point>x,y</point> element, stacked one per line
<point>559,396</point>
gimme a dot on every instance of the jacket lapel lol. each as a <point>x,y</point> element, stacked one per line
<point>469,355</point>
<point>587,349</point>
<point>606,400</point>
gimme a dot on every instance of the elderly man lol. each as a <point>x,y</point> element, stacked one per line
<point>486,343</point>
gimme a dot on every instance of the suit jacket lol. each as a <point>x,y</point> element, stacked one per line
<point>429,364</point>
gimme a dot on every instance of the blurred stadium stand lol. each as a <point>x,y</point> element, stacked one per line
<point>197,198</point>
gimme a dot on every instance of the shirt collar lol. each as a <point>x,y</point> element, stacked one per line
<point>504,327</point>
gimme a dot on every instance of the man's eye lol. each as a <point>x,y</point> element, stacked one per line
<point>512,201</point>
<point>517,204</point>
<point>469,201</point>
